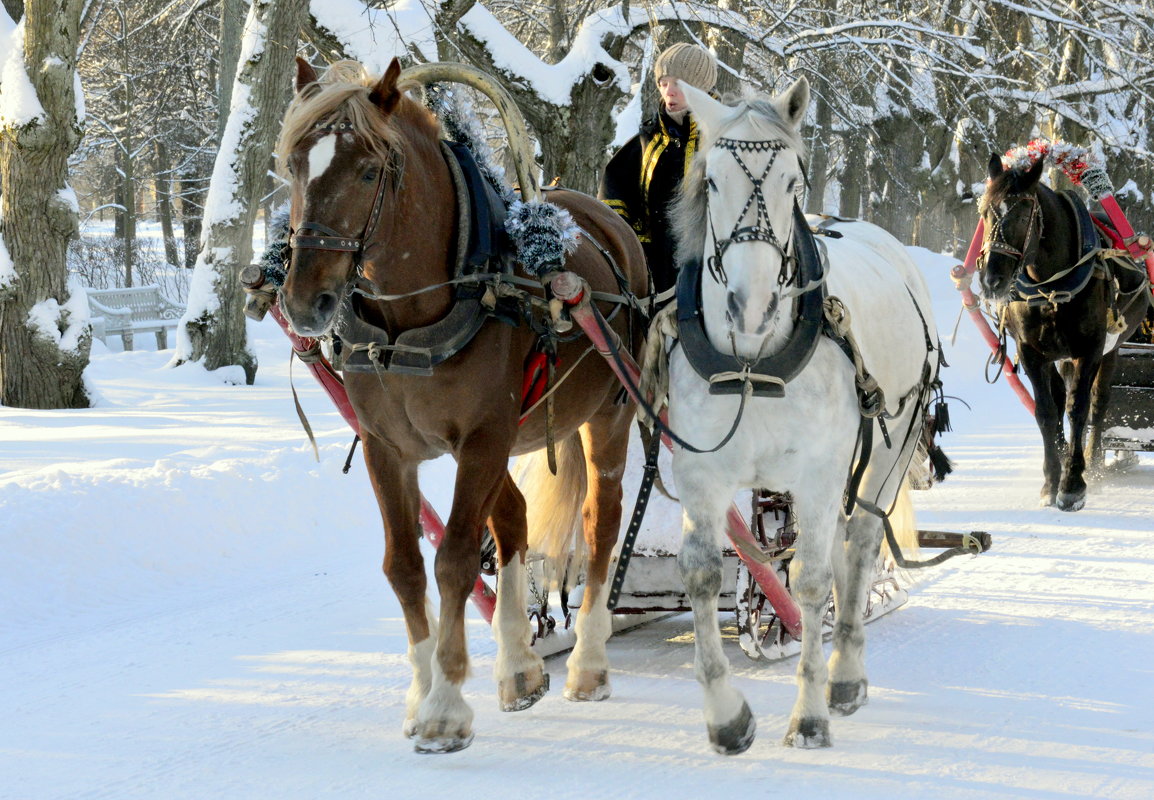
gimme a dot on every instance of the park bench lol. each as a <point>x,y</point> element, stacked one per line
<point>137,309</point>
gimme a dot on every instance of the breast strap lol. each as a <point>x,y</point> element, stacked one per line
<point>726,373</point>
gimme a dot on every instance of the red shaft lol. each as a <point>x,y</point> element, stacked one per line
<point>1122,225</point>
<point>962,276</point>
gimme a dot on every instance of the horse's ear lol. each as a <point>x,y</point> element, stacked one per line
<point>385,95</point>
<point>793,102</point>
<point>995,166</point>
<point>1031,176</point>
<point>305,74</point>
<point>708,112</point>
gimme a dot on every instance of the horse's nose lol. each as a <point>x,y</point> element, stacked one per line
<point>734,305</point>
<point>325,305</point>
<point>737,308</point>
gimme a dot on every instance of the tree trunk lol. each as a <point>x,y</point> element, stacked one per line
<point>44,332</point>
<point>162,181</point>
<point>193,196</point>
<point>819,142</point>
<point>213,328</point>
<point>126,155</point>
<point>127,227</point>
<point>232,14</point>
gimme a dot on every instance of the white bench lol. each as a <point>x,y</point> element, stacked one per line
<point>138,309</point>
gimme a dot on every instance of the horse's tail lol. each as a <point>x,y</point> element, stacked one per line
<point>904,526</point>
<point>553,507</point>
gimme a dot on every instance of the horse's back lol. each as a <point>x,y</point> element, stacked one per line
<point>610,232</point>
<point>889,303</point>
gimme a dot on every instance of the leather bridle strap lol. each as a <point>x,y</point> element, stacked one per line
<point>996,243</point>
<point>335,241</point>
<point>329,240</point>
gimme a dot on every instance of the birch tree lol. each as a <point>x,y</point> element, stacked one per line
<point>44,332</point>
<point>212,330</point>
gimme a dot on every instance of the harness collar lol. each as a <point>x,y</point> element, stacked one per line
<point>480,244</point>
<point>770,373</point>
<point>1064,285</point>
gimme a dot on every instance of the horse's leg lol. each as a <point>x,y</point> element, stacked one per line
<point>395,484</point>
<point>605,438</point>
<point>728,718</point>
<point>444,719</point>
<point>1099,403</point>
<point>1048,412</point>
<point>854,564</point>
<point>520,673</point>
<point>1072,488</point>
<point>811,577</point>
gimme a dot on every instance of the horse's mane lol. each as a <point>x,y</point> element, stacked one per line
<point>1009,184</point>
<point>342,94</point>
<point>689,208</point>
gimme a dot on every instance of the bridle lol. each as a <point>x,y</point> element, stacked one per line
<point>995,239</point>
<point>762,229</point>
<point>328,239</point>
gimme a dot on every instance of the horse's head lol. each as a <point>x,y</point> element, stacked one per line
<point>337,144</point>
<point>736,212</point>
<point>1012,217</point>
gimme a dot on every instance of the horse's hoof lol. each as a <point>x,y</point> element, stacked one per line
<point>522,691</point>
<point>1048,499</point>
<point>588,685</point>
<point>445,744</point>
<point>1071,501</point>
<point>735,736</point>
<point>846,697</point>
<point>808,734</point>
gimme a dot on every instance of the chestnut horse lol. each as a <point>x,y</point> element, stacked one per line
<point>363,156</point>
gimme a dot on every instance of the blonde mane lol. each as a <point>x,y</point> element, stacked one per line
<point>342,94</point>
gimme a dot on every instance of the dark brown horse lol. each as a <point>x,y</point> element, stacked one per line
<point>353,143</point>
<point>1067,314</point>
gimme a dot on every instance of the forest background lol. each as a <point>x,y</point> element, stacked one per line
<point>171,121</point>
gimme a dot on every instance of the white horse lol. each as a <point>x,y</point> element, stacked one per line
<point>760,308</point>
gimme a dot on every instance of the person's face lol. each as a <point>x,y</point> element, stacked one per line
<point>671,94</point>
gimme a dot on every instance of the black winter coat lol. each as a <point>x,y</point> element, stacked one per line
<point>640,182</point>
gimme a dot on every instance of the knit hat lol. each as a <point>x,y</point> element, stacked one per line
<point>688,62</point>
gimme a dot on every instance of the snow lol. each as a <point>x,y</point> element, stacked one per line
<point>192,607</point>
<point>8,274</point>
<point>19,103</point>
<point>46,316</point>
<point>374,37</point>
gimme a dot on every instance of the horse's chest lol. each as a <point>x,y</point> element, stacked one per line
<point>1057,331</point>
<point>777,439</point>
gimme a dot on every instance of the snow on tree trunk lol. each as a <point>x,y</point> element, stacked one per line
<point>212,330</point>
<point>44,332</point>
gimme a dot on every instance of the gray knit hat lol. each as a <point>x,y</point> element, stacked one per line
<point>688,62</point>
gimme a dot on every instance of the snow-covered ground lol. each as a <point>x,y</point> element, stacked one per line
<point>192,607</point>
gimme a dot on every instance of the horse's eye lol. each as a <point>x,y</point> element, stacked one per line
<point>792,187</point>
<point>709,183</point>
<point>371,175</point>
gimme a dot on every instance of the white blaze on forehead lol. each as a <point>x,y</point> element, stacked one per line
<point>321,156</point>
